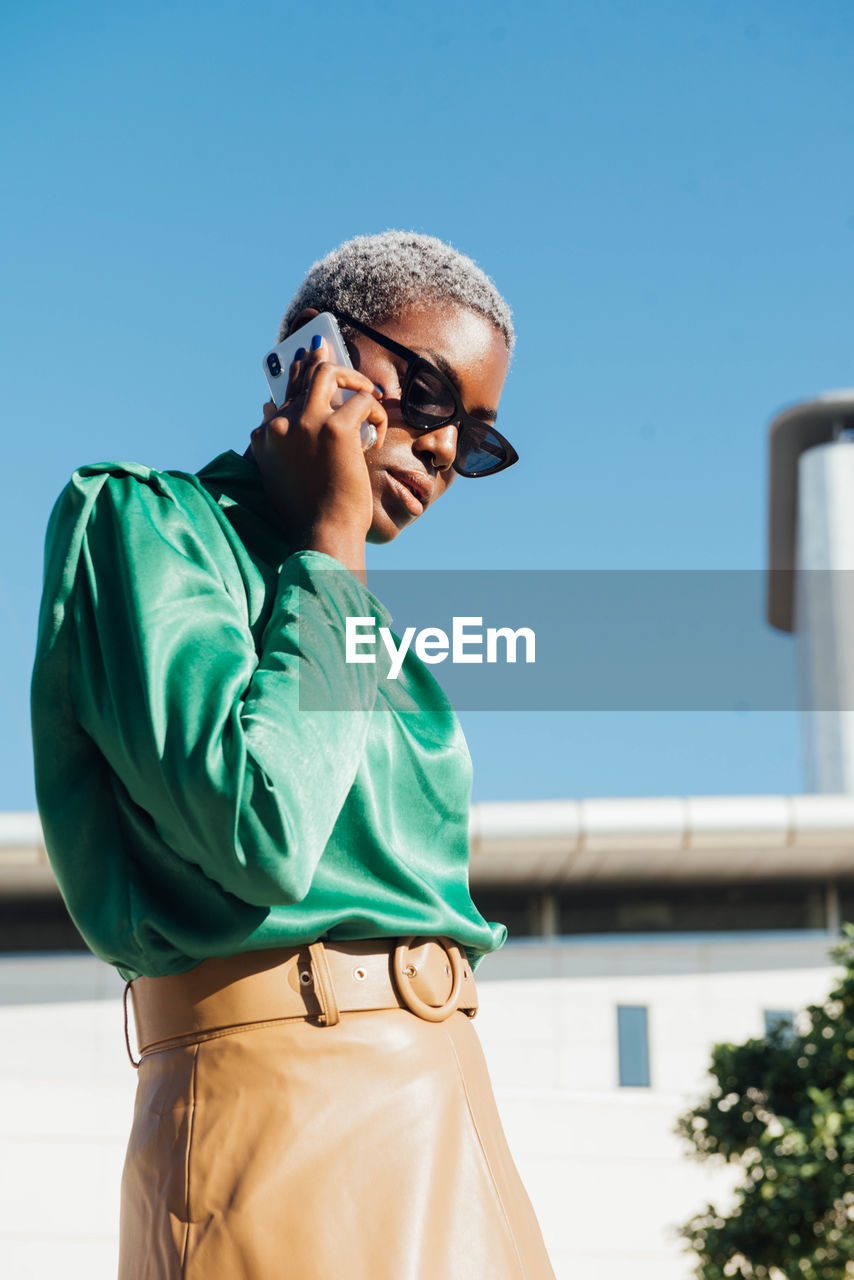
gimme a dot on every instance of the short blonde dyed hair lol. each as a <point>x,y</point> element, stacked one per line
<point>376,278</point>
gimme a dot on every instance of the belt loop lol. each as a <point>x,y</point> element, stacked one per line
<point>323,987</point>
<point>133,1062</point>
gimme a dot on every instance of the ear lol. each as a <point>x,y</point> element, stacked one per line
<point>307,313</point>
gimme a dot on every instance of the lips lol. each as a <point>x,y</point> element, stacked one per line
<point>416,483</point>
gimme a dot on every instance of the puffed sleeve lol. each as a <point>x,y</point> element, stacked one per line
<point>211,734</point>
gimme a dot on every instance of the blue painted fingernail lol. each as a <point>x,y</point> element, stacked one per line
<point>315,342</point>
<point>378,387</point>
<point>299,354</point>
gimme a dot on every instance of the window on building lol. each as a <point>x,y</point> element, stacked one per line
<point>37,924</point>
<point>779,1019</point>
<point>633,1045</point>
<point>700,908</point>
<point>845,890</point>
<point>518,908</point>
<point>751,906</point>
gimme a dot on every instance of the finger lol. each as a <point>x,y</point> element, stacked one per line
<point>317,346</point>
<point>317,352</point>
<point>295,373</point>
<point>333,387</point>
<point>325,377</point>
<point>362,407</point>
<point>305,361</point>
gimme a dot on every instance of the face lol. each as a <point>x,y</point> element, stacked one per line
<point>477,353</point>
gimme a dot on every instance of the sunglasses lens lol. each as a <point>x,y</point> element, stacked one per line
<point>428,401</point>
<point>479,451</point>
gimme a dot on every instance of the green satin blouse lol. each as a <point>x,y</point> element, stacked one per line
<point>191,805</point>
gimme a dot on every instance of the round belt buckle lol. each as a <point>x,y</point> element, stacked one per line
<point>403,980</point>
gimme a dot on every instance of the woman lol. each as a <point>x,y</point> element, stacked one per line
<point>285,889</point>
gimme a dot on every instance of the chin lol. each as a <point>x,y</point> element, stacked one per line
<point>387,533</point>
<point>387,524</point>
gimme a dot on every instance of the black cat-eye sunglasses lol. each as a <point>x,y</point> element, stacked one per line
<point>428,400</point>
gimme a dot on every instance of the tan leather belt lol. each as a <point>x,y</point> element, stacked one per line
<point>430,977</point>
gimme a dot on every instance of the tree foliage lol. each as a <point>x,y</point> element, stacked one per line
<point>782,1108</point>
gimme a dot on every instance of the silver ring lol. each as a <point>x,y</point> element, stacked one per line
<point>369,439</point>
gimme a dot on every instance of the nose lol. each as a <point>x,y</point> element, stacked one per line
<point>440,444</point>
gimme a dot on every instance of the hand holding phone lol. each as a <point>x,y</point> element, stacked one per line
<point>308,450</point>
<point>277,363</point>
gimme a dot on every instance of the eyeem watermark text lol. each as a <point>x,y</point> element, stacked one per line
<point>432,644</point>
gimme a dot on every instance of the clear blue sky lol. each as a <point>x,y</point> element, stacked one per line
<point>664,192</point>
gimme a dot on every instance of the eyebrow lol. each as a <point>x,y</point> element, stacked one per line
<point>488,415</point>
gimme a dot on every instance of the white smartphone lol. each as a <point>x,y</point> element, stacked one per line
<point>277,364</point>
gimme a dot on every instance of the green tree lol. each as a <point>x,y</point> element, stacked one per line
<point>782,1108</point>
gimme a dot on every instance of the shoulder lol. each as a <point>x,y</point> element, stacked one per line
<point>128,490</point>
<point>137,482</point>
<point>106,505</point>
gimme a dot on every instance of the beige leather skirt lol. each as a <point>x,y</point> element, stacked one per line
<point>368,1148</point>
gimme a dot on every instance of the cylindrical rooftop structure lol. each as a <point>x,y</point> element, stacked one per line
<point>810,580</point>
